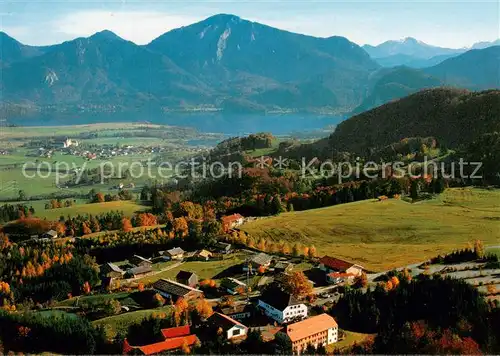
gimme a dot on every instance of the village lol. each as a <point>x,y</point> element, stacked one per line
<point>271,293</point>
<point>239,302</point>
<point>106,151</point>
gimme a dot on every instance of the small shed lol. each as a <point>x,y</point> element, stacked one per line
<point>188,278</point>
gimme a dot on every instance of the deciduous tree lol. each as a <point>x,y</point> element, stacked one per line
<point>297,284</point>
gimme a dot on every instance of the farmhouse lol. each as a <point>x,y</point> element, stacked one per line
<point>281,306</point>
<point>232,285</point>
<point>175,339</point>
<point>283,267</point>
<point>231,221</point>
<point>223,247</point>
<point>51,234</point>
<point>67,143</point>
<point>175,290</point>
<point>111,270</point>
<point>319,330</point>
<point>338,271</point>
<point>175,253</point>
<point>257,261</point>
<point>238,311</point>
<point>139,261</point>
<point>204,255</point>
<point>231,328</point>
<point>188,278</point>
<point>139,271</point>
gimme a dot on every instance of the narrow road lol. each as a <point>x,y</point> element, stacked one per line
<point>373,276</point>
<point>154,273</point>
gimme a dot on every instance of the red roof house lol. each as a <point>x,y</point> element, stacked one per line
<point>175,339</point>
<point>231,221</point>
<point>338,271</point>
<point>176,332</point>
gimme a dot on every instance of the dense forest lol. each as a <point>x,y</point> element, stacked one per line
<point>423,315</point>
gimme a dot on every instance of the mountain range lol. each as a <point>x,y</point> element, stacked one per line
<point>224,63</point>
<point>416,54</point>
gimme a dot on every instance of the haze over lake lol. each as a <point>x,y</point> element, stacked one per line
<point>228,124</point>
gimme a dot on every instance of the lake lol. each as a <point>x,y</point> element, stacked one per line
<point>228,124</point>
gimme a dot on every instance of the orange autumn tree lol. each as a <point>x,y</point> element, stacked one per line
<point>361,281</point>
<point>85,229</point>
<point>126,225</point>
<point>241,290</point>
<point>180,226</point>
<point>86,288</point>
<point>208,283</point>
<point>262,245</point>
<point>181,308</point>
<point>60,229</point>
<point>158,300</point>
<point>145,219</point>
<point>203,308</point>
<point>99,198</point>
<point>298,285</point>
<point>395,281</point>
<point>306,251</point>
<point>312,252</point>
<point>4,241</point>
<point>492,289</point>
<point>388,286</point>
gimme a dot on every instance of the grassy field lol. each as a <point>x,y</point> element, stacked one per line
<point>264,151</point>
<point>495,251</point>
<point>384,235</point>
<point>128,208</point>
<point>204,270</point>
<point>95,299</point>
<point>120,323</point>
<point>34,184</point>
<point>71,130</point>
<point>56,313</point>
<point>349,340</point>
<point>12,179</point>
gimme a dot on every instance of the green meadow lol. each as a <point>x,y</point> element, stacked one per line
<point>381,235</point>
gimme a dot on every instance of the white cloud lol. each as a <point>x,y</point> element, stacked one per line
<point>140,27</point>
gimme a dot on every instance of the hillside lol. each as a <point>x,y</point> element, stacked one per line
<point>102,69</point>
<point>384,235</point>
<point>454,117</point>
<point>473,70</point>
<point>269,66</point>
<point>13,51</point>
<point>394,83</point>
<point>411,61</point>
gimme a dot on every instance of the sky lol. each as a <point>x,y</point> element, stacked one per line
<point>453,24</point>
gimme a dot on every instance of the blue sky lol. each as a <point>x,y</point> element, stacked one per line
<point>445,23</point>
